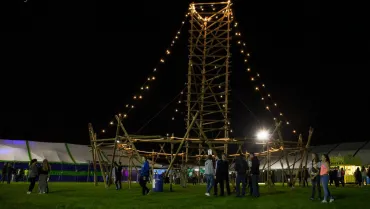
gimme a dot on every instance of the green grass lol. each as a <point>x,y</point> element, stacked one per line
<point>86,196</point>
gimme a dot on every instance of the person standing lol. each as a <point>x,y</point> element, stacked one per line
<point>255,171</point>
<point>324,173</point>
<point>33,173</point>
<point>342,173</point>
<point>249,175</point>
<point>315,177</point>
<point>44,176</point>
<point>118,175</point>
<point>305,176</point>
<point>219,177</point>
<point>144,176</point>
<point>4,172</point>
<point>226,173</point>
<point>209,173</point>
<point>241,172</point>
<point>363,175</point>
<point>10,171</point>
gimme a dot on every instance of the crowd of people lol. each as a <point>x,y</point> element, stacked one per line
<point>35,172</point>
<point>247,173</point>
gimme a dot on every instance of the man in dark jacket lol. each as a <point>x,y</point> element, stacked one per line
<point>118,174</point>
<point>241,172</point>
<point>255,172</point>
<point>219,177</point>
<point>226,173</point>
<point>4,172</point>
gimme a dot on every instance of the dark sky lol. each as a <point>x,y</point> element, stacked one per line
<point>64,66</point>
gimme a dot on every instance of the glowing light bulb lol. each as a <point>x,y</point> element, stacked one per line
<point>134,97</point>
<point>153,78</point>
<point>274,118</point>
<point>132,106</point>
<point>173,118</point>
<point>281,114</point>
<point>176,110</point>
<point>252,79</point>
<point>239,42</point>
<point>294,131</point>
<point>111,123</point>
<point>127,105</point>
<point>182,92</point>
<point>245,60</point>
<point>148,79</point>
<point>125,115</point>
<point>176,37</point>
<point>242,51</point>
<point>183,22</point>
<point>287,122</point>
<point>267,107</point>
<point>179,102</point>
<point>155,69</point>
<point>269,95</point>
<point>248,54</point>
<point>249,70</point>
<point>243,44</point>
<point>263,85</point>
<point>168,52</point>
<point>178,32</point>
<point>221,96</point>
<point>258,75</point>
<point>262,98</point>
<point>219,86</point>
<point>257,88</point>
<point>119,115</point>
<point>103,131</point>
<point>275,105</point>
<point>142,88</point>
<point>147,87</point>
<point>162,60</point>
<point>140,97</point>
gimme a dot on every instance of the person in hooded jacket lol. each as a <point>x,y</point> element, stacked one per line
<point>241,167</point>
<point>255,172</point>
<point>33,173</point>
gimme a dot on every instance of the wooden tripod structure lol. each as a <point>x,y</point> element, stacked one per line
<point>208,110</point>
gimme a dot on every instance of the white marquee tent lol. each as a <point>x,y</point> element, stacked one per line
<point>23,151</point>
<point>356,149</point>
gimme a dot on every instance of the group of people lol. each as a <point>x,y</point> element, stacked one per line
<point>217,175</point>
<point>35,172</point>
<point>360,175</point>
<point>42,173</point>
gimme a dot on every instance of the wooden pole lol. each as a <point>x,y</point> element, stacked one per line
<point>136,154</point>
<point>129,172</point>
<point>181,144</point>
<point>200,146</point>
<point>153,164</point>
<point>171,176</point>
<point>101,167</point>
<point>93,151</point>
<point>114,150</point>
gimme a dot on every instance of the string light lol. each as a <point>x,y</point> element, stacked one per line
<point>152,77</point>
<point>264,94</point>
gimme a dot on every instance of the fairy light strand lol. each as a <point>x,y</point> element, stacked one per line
<point>145,86</point>
<point>255,77</point>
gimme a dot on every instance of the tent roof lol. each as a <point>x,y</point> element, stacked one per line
<point>24,151</point>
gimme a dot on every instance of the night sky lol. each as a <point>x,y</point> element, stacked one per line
<point>64,66</point>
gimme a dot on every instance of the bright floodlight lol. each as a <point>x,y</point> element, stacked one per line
<point>263,135</point>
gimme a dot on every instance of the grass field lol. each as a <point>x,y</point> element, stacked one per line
<point>85,195</point>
